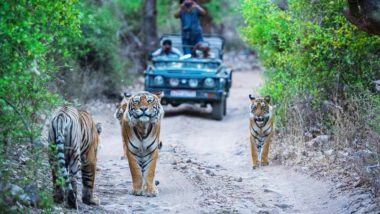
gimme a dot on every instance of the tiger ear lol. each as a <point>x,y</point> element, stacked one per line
<point>159,94</point>
<point>251,97</point>
<point>267,99</point>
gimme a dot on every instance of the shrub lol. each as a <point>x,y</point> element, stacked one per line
<point>102,66</point>
<point>310,49</point>
<point>320,69</point>
<point>33,37</point>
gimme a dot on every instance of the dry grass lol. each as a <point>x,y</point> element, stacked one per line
<point>334,139</point>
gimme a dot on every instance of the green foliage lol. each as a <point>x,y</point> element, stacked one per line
<point>165,16</point>
<point>310,50</point>
<point>215,10</point>
<point>101,67</point>
<point>76,41</point>
<point>374,113</point>
<point>33,35</point>
<point>46,200</point>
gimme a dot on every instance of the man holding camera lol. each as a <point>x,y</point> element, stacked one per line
<point>189,13</point>
<point>167,50</point>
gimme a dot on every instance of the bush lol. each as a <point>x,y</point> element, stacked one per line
<point>33,39</point>
<point>102,66</point>
<point>310,49</point>
<point>320,70</point>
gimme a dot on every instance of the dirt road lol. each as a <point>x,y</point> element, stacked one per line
<point>205,166</point>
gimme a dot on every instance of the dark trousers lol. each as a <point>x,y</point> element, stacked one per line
<point>188,41</point>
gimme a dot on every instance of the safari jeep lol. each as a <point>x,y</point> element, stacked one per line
<point>192,79</point>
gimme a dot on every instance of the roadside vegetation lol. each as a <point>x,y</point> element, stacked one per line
<point>321,71</point>
<point>33,49</point>
<point>52,52</point>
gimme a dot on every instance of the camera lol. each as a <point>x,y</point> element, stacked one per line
<point>188,5</point>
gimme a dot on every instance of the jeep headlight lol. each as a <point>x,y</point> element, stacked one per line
<point>158,80</point>
<point>222,82</point>
<point>209,82</point>
<point>174,82</point>
<point>193,83</point>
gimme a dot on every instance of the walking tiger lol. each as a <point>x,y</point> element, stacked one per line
<point>74,138</point>
<point>140,117</point>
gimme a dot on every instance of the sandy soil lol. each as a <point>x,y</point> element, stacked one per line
<point>205,166</point>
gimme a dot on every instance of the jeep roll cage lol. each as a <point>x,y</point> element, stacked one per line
<point>215,43</point>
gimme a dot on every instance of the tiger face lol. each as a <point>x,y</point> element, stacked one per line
<point>261,110</point>
<point>144,107</point>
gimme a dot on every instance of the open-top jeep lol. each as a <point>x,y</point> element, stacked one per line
<point>192,79</point>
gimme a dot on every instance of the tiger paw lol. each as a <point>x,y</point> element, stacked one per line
<point>58,195</point>
<point>72,200</point>
<point>91,201</point>
<point>137,192</point>
<point>264,163</point>
<point>151,192</point>
<point>254,167</point>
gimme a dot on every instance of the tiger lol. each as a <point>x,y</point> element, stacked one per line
<point>140,117</point>
<point>73,138</point>
<point>89,149</point>
<point>261,129</point>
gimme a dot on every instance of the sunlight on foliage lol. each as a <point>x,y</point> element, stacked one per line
<point>34,36</point>
<point>310,50</point>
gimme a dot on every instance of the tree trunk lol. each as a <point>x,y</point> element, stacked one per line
<point>150,25</point>
<point>365,14</point>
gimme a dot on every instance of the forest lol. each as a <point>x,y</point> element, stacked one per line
<point>320,60</point>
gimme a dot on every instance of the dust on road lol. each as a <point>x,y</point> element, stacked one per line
<point>205,166</point>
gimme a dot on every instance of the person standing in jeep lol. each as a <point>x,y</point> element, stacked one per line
<point>189,13</point>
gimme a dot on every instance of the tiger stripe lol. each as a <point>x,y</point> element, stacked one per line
<point>75,136</point>
<point>261,130</point>
<point>65,135</point>
<point>140,116</point>
<point>89,146</point>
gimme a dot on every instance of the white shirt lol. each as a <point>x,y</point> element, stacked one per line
<point>174,53</point>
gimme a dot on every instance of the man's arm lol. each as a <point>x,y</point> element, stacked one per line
<point>177,14</point>
<point>176,51</point>
<point>200,9</point>
<point>157,52</point>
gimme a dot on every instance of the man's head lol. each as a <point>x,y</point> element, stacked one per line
<point>167,46</point>
<point>187,3</point>
<point>202,46</point>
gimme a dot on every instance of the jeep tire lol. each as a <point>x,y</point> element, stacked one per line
<point>218,109</point>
